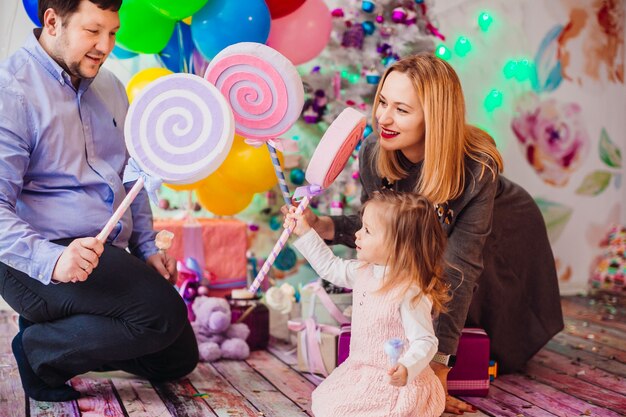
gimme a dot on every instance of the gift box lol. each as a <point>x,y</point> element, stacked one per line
<point>343,344</point>
<point>316,346</point>
<point>325,308</point>
<point>220,245</point>
<point>471,374</point>
<point>256,316</point>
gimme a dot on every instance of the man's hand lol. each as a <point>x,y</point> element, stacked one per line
<point>453,405</point>
<point>78,260</point>
<point>398,375</point>
<point>164,265</point>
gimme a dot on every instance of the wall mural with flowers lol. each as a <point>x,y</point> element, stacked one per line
<point>546,79</point>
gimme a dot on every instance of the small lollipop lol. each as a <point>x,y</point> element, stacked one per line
<point>265,92</point>
<point>327,162</point>
<point>179,129</point>
<point>163,240</point>
<point>393,349</point>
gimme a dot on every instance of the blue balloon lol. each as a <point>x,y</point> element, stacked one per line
<point>221,23</point>
<point>121,53</point>
<point>31,10</point>
<point>176,56</point>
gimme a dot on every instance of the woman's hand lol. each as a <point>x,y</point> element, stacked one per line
<point>453,405</point>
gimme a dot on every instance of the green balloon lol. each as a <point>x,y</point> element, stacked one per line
<point>143,29</point>
<point>177,9</point>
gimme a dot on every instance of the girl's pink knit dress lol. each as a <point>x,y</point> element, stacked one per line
<point>360,387</point>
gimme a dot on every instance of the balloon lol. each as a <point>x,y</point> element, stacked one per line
<point>247,168</point>
<point>121,53</point>
<point>215,196</point>
<point>176,9</point>
<point>176,55</point>
<point>221,23</point>
<point>303,34</point>
<point>280,8</point>
<point>143,29</point>
<point>142,79</point>
<point>31,10</point>
<point>198,63</point>
<point>185,187</point>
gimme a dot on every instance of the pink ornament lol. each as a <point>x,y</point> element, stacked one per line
<point>380,19</point>
<point>337,12</point>
<point>398,15</point>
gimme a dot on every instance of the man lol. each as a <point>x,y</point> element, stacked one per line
<point>83,305</point>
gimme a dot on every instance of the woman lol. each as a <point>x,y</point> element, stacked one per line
<point>501,269</point>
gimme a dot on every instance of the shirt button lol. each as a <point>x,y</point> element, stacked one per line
<point>361,303</point>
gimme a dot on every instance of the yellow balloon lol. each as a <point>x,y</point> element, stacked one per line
<point>142,79</point>
<point>249,169</point>
<point>185,187</point>
<point>216,196</point>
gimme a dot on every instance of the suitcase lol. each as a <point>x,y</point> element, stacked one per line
<point>471,373</point>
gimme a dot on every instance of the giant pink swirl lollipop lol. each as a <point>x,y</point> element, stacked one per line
<point>179,129</point>
<point>328,160</point>
<point>264,90</point>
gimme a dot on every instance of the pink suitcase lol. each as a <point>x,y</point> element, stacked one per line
<point>470,375</point>
<point>343,343</point>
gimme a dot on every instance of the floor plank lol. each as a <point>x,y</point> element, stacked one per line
<point>138,397</point>
<point>99,397</point>
<point>291,384</point>
<point>219,394</point>
<point>262,394</point>
<point>580,370</point>
<point>182,400</point>
<point>550,399</point>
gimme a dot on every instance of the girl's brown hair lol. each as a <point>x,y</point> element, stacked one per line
<point>447,138</point>
<point>416,243</point>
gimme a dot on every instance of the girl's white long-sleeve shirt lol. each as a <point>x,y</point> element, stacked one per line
<point>416,320</point>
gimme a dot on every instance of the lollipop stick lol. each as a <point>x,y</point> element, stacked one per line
<point>280,175</point>
<point>276,250</point>
<point>106,231</point>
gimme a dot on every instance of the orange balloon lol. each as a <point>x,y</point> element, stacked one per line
<point>216,196</point>
<point>185,187</point>
<point>249,169</point>
<point>142,79</point>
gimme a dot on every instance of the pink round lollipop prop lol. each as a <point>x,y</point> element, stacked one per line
<point>179,129</point>
<point>265,92</point>
<point>329,159</point>
<point>263,88</point>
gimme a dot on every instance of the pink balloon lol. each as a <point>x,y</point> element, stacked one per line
<point>303,34</point>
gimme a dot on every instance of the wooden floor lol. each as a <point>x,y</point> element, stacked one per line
<point>580,373</point>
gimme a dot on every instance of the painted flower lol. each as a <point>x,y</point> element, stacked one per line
<point>553,138</point>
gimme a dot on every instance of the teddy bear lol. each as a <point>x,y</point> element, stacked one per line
<point>217,337</point>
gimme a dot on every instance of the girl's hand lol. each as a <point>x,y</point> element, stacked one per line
<point>398,374</point>
<point>310,217</point>
<point>297,221</point>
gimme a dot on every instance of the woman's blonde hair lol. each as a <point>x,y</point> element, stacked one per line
<point>416,243</point>
<point>448,139</point>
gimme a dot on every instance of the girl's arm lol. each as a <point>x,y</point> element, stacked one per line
<point>418,328</point>
<point>339,271</point>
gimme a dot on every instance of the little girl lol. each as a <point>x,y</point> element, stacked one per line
<point>397,283</point>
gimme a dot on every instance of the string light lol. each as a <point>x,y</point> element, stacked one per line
<point>462,46</point>
<point>484,21</point>
<point>443,52</point>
